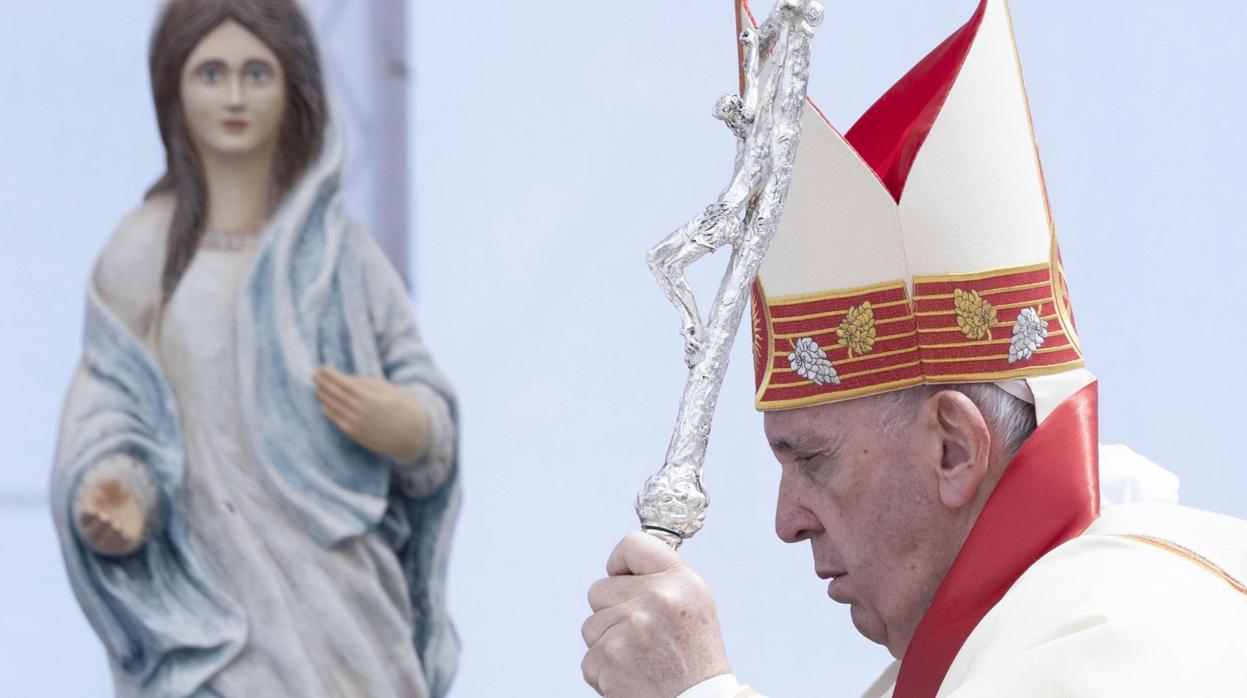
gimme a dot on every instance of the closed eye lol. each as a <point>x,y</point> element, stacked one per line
<point>809,454</point>
<point>804,458</point>
<point>814,463</point>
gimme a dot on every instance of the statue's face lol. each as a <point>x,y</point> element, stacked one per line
<point>233,93</point>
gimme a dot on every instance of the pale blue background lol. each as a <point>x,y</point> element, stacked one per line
<point>555,142</point>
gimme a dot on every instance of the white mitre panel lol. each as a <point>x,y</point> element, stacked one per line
<point>840,228</point>
<point>974,199</point>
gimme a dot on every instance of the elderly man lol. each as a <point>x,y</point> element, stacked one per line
<point>924,393</point>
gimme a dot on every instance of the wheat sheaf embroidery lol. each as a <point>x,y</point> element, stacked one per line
<point>857,330</point>
<point>1029,333</point>
<point>975,316</point>
<point>811,363</point>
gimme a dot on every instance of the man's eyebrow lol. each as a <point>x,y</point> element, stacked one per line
<point>807,443</point>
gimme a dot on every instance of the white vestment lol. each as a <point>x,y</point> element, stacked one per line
<point>1151,600</point>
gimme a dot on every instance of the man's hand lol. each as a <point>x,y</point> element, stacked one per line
<point>654,632</point>
<point>110,518</point>
<point>374,413</point>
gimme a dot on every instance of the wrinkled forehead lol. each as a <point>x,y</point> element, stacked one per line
<point>819,427</point>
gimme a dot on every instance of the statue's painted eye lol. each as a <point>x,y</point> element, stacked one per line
<point>258,73</point>
<point>211,74</point>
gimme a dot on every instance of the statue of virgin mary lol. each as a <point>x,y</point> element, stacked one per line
<point>256,479</point>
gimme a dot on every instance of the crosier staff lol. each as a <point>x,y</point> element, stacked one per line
<point>766,120</point>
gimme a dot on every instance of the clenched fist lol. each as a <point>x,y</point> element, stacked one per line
<point>374,413</point>
<point>654,632</point>
<point>111,519</point>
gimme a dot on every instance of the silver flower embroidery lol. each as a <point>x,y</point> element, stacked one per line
<point>810,362</point>
<point>1029,333</point>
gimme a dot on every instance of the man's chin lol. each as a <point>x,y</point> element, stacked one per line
<point>868,624</point>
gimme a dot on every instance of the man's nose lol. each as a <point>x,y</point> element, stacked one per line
<point>794,522</point>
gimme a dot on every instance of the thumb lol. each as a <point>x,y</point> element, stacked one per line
<point>641,553</point>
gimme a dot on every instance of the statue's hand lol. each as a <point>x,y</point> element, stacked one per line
<point>374,413</point>
<point>110,518</point>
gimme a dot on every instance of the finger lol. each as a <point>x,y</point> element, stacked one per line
<point>92,526</point>
<point>341,419</point>
<point>641,553</point>
<point>323,375</point>
<point>95,499</point>
<point>596,625</point>
<point>101,529</point>
<point>131,527</point>
<point>612,591</point>
<point>326,383</point>
<point>329,395</point>
<point>611,658</point>
<point>590,667</point>
<point>343,405</point>
<point>337,379</point>
<point>113,539</point>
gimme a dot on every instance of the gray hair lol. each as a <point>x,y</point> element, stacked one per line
<point>1009,419</point>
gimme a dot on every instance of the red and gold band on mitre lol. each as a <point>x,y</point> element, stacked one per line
<point>919,249</point>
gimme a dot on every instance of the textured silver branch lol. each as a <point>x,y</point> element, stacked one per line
<point>767,123</point>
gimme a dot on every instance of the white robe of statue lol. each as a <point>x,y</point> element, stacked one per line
<point>282,558</point>
<point>303,602</point>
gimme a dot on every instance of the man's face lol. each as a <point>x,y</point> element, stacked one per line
<point>867,499</point>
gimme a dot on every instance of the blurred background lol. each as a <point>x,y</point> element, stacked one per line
<point>516,160</point>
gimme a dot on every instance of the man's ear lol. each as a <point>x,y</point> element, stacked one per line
<point>966,442</point>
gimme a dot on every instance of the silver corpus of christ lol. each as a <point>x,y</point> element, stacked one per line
<point>766,121</point>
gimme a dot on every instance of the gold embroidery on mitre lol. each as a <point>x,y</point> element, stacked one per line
<point>857,330</point>
<point>1062,291</point>
<point>756,314</point>
<point>975,316</point>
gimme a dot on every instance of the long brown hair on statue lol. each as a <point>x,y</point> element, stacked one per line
<point>279,24</point>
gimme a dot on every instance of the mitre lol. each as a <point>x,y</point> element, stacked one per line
<point>919,247</point>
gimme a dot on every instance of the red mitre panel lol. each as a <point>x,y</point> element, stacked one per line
<point>967,324</point>
<point>890,134</point>
<point>858,341</point>
<point>963,327</point>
